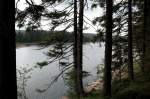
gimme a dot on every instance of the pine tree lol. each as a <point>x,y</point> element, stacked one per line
<point>75,55</point>
<point>147,33</point>
<point>130,56</point>
<point>80,47</point>
<point>108,48</point>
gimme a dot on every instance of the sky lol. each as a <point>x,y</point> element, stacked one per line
<point>91,14</point>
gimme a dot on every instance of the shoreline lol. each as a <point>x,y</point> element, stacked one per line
<point>20,45</point>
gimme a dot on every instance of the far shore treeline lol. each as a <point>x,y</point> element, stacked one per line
<point>39,36</point>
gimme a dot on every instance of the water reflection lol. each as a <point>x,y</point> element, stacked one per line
<point>27,57</point>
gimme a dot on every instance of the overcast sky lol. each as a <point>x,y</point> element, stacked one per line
<point>91,14</point>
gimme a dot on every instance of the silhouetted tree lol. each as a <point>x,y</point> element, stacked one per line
<point>75,55</point>
<point>80,47</point>
<point>108,48</point>
<point>130,56</point>
<point>147,33</point>
<point>7,51</point>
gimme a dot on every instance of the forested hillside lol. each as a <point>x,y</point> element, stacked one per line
<point>38,36</point>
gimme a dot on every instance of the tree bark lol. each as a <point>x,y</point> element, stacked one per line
<point>75,48</point>
<point>147,37</point>
<point>144,40</point>
<point>8,86</point>
<point>108,49</point>
<point>80,46</point>
<point>130,55</point>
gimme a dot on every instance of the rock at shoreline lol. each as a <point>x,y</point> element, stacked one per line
<point>96,85</point>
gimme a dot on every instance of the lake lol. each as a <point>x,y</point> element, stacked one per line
<point>27,57</point>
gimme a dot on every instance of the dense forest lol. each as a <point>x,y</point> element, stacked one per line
<point>39,36</point>
<point>124,27</point>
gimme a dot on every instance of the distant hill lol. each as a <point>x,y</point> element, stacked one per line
<point>41,35</point>
<point>89,35</point>
<point>44,31</point>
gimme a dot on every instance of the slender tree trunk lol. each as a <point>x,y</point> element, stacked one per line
<point>144,40</point>
<point>130,57</point>
<point>80,46</point>
<point>75,48</point>
<point>108,49</point>
<point>147,36</point>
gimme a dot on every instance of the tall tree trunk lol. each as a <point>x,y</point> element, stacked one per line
<point>144,40</point>
<point>147,36</point>
<point>80,46</point>
<point>130,57</point>
<point>75,48</point>
<point>108,49</point>
<point>8,86</point>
